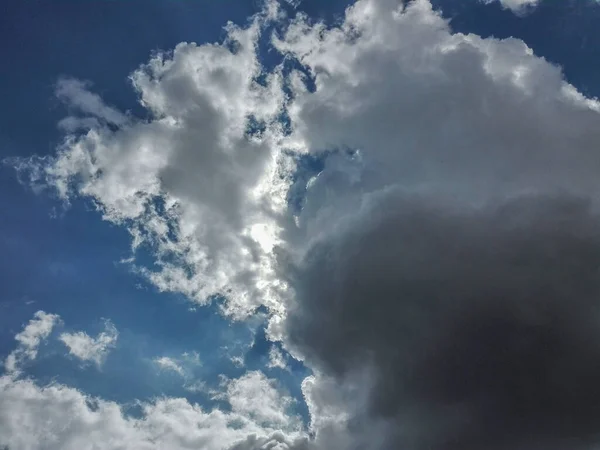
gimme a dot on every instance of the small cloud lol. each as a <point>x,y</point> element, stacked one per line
<point>182,365</point>
<point>87,348</point>
<point>76,94</point>
<point>196,387</point>
<point>169,364</point>
<point>37,330</point>
<point>277,359</point>
<point>516,6</point>
<point>238,361</point>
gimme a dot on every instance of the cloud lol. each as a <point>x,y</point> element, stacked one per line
<point>276,359</point>
<point>58,417</point>
<point>469,117</point>
<point>166,363</point>
<point>440,274</point>
<point>86,348</point>
<point>181,365</point>
<point>517,6</point>
<point>76,94</point>
<point>34,333</point>
<point>257,397</point>
<point>448,252</point>
<point>200,182</point>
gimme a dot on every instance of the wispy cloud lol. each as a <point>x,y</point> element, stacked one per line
<point>34,333</point>
<point>91,349</point>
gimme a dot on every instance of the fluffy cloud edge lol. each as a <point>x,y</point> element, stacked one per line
<point>63,418</point>
<point>516,6</point>
<point>60,417</point>
<point>34,333</point>
<point>91,349</point>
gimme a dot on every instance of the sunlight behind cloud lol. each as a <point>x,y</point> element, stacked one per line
<point>450,199</point>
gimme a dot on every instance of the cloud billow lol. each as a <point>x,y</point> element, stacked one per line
<point>479,328</point>
<point>441,276</point>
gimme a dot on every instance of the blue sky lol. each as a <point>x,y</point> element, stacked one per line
<point>62,257</point>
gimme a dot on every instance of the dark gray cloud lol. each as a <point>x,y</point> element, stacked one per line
<point>480,325</point>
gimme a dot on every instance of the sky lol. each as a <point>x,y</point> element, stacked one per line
<point>300,225</point>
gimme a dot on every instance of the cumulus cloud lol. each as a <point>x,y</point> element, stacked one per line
<point>480,326</point>
<point>59,417</point>
<point>90,349</point>
<point>34,333</point>
<point>257,397</point>
<point>56,416</point>
<point>441,273</point>
<point>446,259</point>
<point>200,182</point>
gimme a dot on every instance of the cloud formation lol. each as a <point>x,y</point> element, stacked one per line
<point>448,264</point>
<point>479,327</point>
<point>440,276</point>
<point>34,333</point>
<point>182,366</point>
<point>76,94</point>
<point>57,417</point>
<point>276,359</point>
<point>90,349</point>
<point>61,418</point>
<point>517,6</point>
<point>200,181</point>
<point>166,363</point>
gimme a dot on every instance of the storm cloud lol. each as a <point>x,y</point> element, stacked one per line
<point>480,327</point>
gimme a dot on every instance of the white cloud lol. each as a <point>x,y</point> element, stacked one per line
<point>57,417</point>
<point>37,330</point>
<point>190,182</point>
<point>182,365</point>
<point>517,6</point>
<point>238,361</point>
<point>432,112</point>
<point>257,397</point>
<point>87,348</point>
<point>196,386</point>
<point>276,359</point>
<point>75,93</point>
<point>166,363</point>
